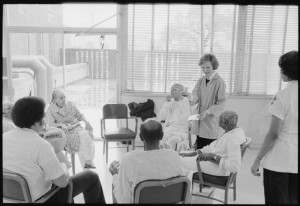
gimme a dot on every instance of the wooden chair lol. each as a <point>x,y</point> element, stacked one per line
<point>120,134</point>
<point>16,190</point>
<point>173,190</point>
<point>221,182</point>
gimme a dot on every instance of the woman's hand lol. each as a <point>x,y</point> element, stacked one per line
<point>203,115</point>
<point>189,154</point>
<point>88,127</point>
<point>255,168</point>
<point>63,127</point>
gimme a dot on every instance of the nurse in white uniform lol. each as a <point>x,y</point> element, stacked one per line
<point>279,152</point>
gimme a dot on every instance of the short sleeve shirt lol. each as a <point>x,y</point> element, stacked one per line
<point>26,153</point>
<point>283,157</point>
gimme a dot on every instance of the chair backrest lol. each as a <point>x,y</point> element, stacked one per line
<point>245,145</point>
<point>15,188</point>
<point>115,111</point>
<point>173,190</point>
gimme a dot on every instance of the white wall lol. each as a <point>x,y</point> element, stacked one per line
<point>252,112</point>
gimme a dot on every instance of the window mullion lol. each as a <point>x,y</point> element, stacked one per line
<point>284,40</point>
<point>250,50</point>
<point>240,49</point>
<point>152,48</point>
<point>212,28</point>
<point>132,48</point>
<point>232,50</point>
<point>167,49</point>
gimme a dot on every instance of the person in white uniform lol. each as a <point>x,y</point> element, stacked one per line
<point>7,123</point>
<point>26,153</point>
<point>278,154</point>
<point>222,156</point>
<point>174,113</point>
<point>152,163</point>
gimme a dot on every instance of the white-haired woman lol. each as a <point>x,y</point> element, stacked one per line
<point>65,115</point>
<point>223,155</point>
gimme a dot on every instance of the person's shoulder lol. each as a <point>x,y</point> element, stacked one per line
<point>130,155</point>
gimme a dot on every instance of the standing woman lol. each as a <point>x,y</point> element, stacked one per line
<point>210,94</point>
<point>279,150</point>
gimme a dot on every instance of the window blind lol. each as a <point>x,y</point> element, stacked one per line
<point>165,42</point>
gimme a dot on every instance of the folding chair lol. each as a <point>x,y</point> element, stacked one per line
<point>16,190</point>
<point>221,182</point>
<point>173,190</point>
<point>117,111</point>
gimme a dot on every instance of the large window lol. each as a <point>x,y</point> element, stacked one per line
<point>165,42</point>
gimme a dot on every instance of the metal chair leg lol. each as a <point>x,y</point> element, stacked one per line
<point>133,144</point>
<point>106,145</point>
<point>234,190</point>
<point>73,163</point>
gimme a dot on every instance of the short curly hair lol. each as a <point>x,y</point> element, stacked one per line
<point>211,58</point>
<point>228,119</point>
<point>27,111</point>
<point>288,63</point>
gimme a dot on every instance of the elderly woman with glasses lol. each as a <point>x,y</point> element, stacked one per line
<point>174,115</point>
<point>222,156</point>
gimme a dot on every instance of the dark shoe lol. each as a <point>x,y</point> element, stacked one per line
<point>89,166</point>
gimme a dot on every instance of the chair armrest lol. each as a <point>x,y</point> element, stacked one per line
<point>136,122</point>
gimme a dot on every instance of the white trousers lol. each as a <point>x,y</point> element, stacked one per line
<point>207,167</point>
<point>170,140</point>
<point>86,152</point>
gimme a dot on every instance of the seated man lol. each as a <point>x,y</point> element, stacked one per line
<point>137,166</point>
<point>58,144</point>
<point>223,155</point>
<point>64,114</point>
<point>175,113</point>
<point>26,153</point>
<point>7,123</point>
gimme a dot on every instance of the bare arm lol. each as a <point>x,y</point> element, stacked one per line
<point>268,143</point>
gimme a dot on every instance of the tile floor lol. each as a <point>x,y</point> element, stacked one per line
<point>91,94</point>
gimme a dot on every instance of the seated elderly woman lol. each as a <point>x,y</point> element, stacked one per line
<point>7,123</point>
<point>65,115</point>
<point>174,113</point>
<point>225,151</point>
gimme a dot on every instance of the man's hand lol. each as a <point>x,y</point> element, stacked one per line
<point>205,157</point>
<point>188,154</point>
<point>114,167</point>
<point>168,98</point>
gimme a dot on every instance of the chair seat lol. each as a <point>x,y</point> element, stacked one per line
<point>218,180</point>
<point>119,133</point>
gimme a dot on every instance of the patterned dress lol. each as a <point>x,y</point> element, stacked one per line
<point>69,114</point>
